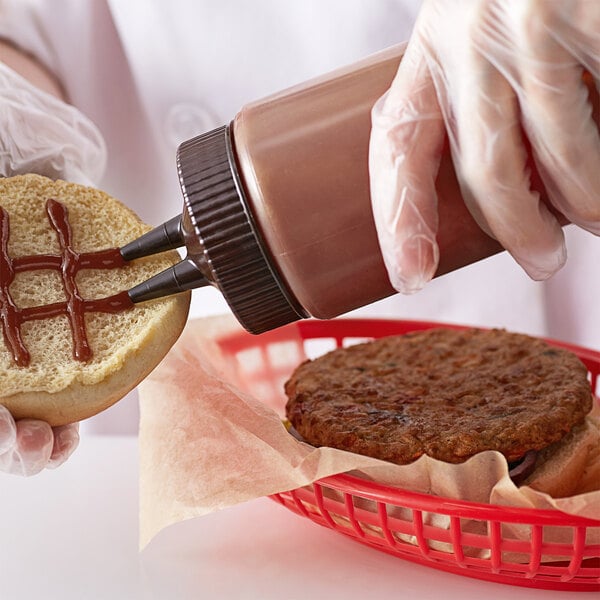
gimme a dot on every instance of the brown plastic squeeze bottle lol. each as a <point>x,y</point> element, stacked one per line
<point>277,211</point>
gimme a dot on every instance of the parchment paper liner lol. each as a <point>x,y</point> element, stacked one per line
<point>206,443</point>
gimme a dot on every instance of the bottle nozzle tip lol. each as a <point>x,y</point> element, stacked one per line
<point>183,276</point>
<point>167,236</point>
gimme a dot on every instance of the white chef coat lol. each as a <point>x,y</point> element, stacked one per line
<point>151,74</point>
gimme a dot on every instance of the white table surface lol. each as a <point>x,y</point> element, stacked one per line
<point>73,533</point>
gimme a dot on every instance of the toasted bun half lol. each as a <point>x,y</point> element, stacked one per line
<point>125,346</point>
<point>572,465</point>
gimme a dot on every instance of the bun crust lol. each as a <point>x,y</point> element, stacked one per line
<point>571,466</point>
<point>126,346</point>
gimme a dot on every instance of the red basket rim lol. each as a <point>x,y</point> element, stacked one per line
<point>362,327</point>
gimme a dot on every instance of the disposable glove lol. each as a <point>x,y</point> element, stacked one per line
<point>483,73</point>
<point>28,446</point>
<point>41,134</point>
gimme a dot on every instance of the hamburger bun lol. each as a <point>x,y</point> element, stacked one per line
<point>572,465</point>
<point>53,384</point>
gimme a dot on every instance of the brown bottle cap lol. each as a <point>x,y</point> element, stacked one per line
<point>233,249</point>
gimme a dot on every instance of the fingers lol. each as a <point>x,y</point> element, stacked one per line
<point>405,148</point>
<point>8,431</point>
<point>490,160</point>
<point>557,116</point>
<point>28,446</point>
<point>576,28</point>
<point>66,440</point>
<point>32,448</point>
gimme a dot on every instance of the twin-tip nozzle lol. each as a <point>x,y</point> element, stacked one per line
<point>183,276</point>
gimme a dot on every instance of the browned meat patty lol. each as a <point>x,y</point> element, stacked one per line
<point>442,392</point>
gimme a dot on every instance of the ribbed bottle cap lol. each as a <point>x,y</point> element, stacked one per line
<point>233,249</point>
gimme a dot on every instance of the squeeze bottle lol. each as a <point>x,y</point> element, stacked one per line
<point>277,211</point>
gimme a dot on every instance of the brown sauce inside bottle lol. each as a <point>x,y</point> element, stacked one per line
<point>68,263</point>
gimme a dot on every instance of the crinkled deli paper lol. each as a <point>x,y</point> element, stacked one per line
<point>211,436</point>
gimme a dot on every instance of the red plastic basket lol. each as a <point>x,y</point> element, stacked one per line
<point>467,538</point>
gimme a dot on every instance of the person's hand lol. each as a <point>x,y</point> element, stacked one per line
<point>41,134</point>
<point>27,446</point>
<point>485,73</point>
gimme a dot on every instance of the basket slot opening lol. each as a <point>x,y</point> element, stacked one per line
<point>523,550</point>
<point>353,341</point>
<point>475,538</point>
<point>313,348</point>
<point>554,550</point>
<point>284,355</point>
<point>263,370</point>
<point>250,360</point>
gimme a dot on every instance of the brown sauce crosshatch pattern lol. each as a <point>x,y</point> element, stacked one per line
<point>67,263</point>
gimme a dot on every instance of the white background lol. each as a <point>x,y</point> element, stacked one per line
<point>73,534</point>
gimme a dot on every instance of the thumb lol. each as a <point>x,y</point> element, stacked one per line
<point>407,136</point>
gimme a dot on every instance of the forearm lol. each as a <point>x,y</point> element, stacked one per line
<point>29,68</point>
<point>39,131</point>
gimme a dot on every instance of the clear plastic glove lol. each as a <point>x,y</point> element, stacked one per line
<point>482,73</point>
<point>28,446</point>
<point>41,134</point>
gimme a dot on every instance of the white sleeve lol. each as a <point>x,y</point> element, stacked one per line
<point>69,37</point>
<point>25,24</point>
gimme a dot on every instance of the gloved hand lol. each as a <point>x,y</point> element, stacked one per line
<point>41,134</point>
<point>483,73</point>
<point>28,446</point>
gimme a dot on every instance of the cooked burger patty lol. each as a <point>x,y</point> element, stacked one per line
<point>442,392</point>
